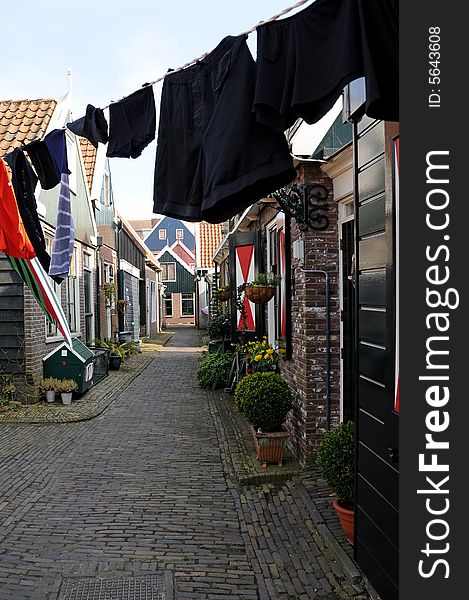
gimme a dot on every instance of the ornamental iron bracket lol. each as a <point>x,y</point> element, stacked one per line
<point>306,203</point>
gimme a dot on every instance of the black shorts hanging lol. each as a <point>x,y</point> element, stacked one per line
<point>305,61</point>
<point>132,124</point>
<point>213,158</point>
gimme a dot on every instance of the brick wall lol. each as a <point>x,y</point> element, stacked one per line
<point>177,318</point>
<point>306,371</point>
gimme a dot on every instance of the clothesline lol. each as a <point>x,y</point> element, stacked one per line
<point>205,54</point>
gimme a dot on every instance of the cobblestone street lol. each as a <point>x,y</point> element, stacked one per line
<point>143,489</point>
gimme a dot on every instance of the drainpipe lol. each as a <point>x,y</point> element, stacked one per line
<point>328,341</point>
<point>98,294</point>
<point>120,278</point>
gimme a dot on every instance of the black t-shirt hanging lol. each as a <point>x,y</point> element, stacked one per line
<point>305,61</point>
<point>24,182</point>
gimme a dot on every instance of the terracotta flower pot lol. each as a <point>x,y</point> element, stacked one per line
<point>347,519</point>
<point>270,447</point>
<point>260,294</point>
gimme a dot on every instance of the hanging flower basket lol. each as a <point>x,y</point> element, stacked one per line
<point>260,294</point>
<point>224,296</point>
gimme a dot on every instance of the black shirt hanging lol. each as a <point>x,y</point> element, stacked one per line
<point>24,181</point>
<point>305,61</point>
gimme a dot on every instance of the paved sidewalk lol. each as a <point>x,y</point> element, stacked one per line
<point>141,498</point>
<point>91,404</point>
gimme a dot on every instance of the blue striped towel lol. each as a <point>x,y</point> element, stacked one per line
<point>62,249</point>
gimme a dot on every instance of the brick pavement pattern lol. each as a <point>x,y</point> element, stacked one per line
<point>143,489</point>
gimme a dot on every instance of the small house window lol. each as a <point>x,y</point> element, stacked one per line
<point>108,273</point>
<point>168,304</point>
<point>162,234</point>
<point>187,305</point>
<point>180,234</point>
<point>72,295</point>
<point>51,327</point>
<point>168,271</point>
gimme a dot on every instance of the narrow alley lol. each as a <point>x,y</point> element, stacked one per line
<point>136,503</point>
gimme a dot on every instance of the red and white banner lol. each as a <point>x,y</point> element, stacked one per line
<point>244,274</point>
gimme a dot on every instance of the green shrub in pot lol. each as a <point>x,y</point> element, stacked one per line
<point>264,399</point>
<point>336,459</point>
<point>213,370</point>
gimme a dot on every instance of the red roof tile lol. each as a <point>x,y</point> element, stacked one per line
<point>141,225</point>
<point>89,158</point>
<point>23,121</point>
<point>210,238</point>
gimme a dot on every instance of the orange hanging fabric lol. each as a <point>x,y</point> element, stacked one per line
<point>14,240</point>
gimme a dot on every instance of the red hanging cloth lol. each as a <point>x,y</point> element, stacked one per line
<point>14,240</point>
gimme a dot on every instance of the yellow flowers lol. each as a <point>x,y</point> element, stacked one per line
<point>260,355</point>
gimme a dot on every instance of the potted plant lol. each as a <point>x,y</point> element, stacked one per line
<point>110,294</point>
<point>260,356</point>
<point>224,293</point>
<point>219,330</point>
<point>213,370</point>
<point>262,289</point>
<point>265,399</point>
<point>116,352</point>
<point>49,387</point>
<point>66,387</point>
<point>336,459</point>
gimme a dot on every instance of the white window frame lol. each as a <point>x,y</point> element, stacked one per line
<point>346,208</point>
<point>162,234</point>
<point>108,272</point>
<point>52,332</point>
<point>73,276</point>
<point>164,266</point>
<point>88,265</point>
<point>180,234</point>
<point>152,301</point>
<point>186,299</point>
<point>172,304</point>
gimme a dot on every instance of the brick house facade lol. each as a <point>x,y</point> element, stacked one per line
<point>179,297</point>
<point>25,334</point>
<point>306,368</point>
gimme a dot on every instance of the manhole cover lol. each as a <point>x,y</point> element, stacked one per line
<point>147,587</point>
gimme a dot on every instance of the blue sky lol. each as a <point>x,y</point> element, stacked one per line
<point>113,47</point>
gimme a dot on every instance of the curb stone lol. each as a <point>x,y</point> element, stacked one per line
<point>349,567</point>
<point>235,436</point>
<point>242,470</point>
